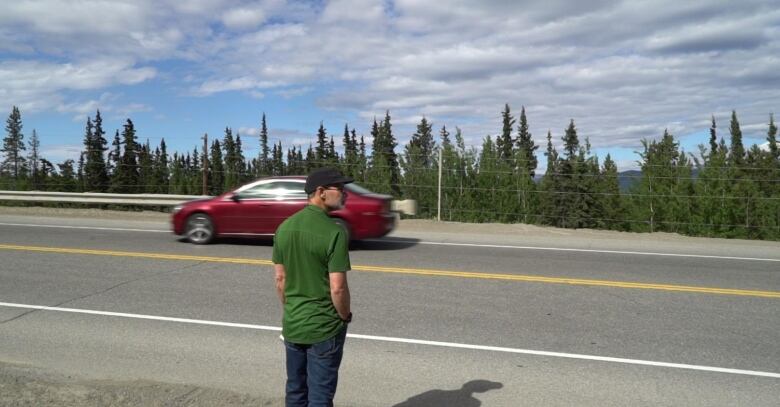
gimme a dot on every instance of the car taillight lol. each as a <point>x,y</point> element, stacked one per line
<point>386,206</point>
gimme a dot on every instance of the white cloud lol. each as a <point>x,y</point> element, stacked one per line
<point>37,86</point>
<point>624,70</point>
<point>295,92</point>
<point>249,131</point>
<point>57,153</point>
<point>243,18</point>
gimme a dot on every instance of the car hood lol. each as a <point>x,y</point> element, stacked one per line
<point>194,201</point>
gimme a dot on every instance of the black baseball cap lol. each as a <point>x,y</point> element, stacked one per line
<point>322,177</point>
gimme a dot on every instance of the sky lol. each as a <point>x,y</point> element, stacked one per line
<point>622,70</point>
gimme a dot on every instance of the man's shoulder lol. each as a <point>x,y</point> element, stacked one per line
<point>291,220</point>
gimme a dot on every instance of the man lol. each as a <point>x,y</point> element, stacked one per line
<point>311,258</point>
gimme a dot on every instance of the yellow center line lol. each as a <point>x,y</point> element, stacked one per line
<point>414,271</point>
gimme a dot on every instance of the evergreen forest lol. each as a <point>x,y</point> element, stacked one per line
<point>725,189</point>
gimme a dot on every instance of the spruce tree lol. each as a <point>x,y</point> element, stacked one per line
<point>195,167</point>
<point>80,174</point>
<point>419,179</point>
<point>333,158</point>
<point>711,189</point>
<point>127,175</point>
<point>465,201</point>
<point>95,172</point>
<point>145,169</point>
<point>216,175</point>
<point>526,147</point>
<point>569,178</point>
<point>278,160</point>
<point>713,137</point>
<point>661,197</point>
<point>13,146</point>
<point>504,143</point>
<point>485,182</point>
<point>162,170</point>
<point>263,167</point>
<point>311,159</point>
<point>737,150</point>
<point>300,164</point>
<point>424,145</point>
<point>771,138</point>
<point>450,175</point>
<point>115,155</point>
<point>229,147</point>
<point>571,144</point>
<point>240,165</point>
<point>321,150</point>
<point>362,160</point>
<point>384,172</point>
<point>67,180</point>
<point>388,150</point>
<point>350,153</point>
<point>177,182</point>
<point>34,159</point>
<point>376,142</point>
<point>611,202</point>
<point>552,200</point>
<point>444,137</point>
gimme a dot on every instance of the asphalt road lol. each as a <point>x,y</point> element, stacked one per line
<point>437,307</point>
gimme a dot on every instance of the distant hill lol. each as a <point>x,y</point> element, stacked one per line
<point>628,178</point>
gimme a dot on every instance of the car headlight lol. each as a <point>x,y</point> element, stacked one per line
<point>177,208</point>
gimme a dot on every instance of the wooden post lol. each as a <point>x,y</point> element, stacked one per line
<point>205,162</point>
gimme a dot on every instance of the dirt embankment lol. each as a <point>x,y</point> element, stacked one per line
<point>22,386</point>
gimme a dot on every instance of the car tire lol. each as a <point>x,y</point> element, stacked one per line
<point>345,225</point>
<point>199,229</point>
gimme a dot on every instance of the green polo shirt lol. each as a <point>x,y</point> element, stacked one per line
<point>310,246</point>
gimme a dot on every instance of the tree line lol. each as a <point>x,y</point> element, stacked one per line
<point>725,190</point>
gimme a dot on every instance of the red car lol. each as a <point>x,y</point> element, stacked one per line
<point>258,208</point>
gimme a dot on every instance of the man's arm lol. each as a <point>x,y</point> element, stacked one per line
<point>339,293</point>
<point>280,276</point>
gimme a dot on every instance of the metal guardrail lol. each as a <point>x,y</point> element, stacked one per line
<point>407,207</point>
<point>97,198</point>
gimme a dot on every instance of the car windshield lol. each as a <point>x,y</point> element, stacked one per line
<point>353,187</point>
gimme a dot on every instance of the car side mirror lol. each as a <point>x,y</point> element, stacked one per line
<point>235,198</point>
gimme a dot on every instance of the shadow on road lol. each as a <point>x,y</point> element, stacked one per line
<point>383,244</point>
<point>462,397</point>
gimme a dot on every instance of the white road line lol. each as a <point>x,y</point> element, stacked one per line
<point>410,341</point>
<point>85,227</point>
<point>559,249</point>
<point>422,242</point>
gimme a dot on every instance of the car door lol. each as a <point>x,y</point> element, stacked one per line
<point>246,208</point>
<point>289,198</point>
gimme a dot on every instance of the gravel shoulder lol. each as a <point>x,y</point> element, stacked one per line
<point>27,386</point>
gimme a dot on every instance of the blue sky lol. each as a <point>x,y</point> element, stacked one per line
<point>623,70</point>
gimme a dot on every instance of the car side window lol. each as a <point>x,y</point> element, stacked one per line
<point>291,190</point>
<point>278,190</point>
<point>260,191</point>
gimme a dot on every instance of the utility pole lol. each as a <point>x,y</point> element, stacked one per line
<point>438,211</point>
<point>205,163</point>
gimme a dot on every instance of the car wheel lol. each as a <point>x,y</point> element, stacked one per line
<point>199,229</point>
<point>345,225</point>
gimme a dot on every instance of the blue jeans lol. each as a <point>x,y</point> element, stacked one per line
<point>313,371</point>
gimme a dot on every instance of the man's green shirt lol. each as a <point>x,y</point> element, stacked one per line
<point>310,246</point>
